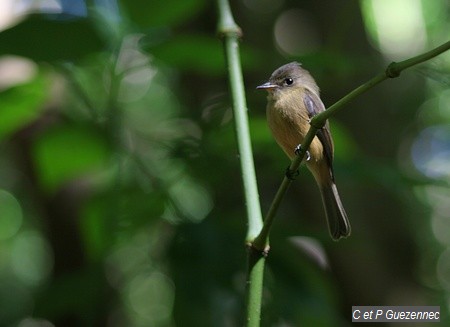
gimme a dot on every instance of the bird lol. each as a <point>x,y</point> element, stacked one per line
<point>293,99</point>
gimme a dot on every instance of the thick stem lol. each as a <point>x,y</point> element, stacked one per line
<point>230,33</point>
<point>255,274</point>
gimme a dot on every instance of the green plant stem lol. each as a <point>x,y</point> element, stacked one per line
<point>317,122</point>
<point>231,33</point>
<point>255,282</point>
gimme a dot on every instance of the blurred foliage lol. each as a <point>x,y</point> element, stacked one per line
<point>51,37</point>
<point>20,104</point>
<point>120,190</point>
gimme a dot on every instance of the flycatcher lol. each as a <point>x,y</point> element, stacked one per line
<point>293,99</point>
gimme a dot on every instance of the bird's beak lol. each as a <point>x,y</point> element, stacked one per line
<point>267,86</point>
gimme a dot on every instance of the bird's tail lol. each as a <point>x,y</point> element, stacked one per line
<point>338,223</point>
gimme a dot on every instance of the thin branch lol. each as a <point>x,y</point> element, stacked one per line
<point>317,122</point>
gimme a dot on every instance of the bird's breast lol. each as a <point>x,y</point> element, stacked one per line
<point>289,122</point>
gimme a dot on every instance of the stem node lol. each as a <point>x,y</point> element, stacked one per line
<point>392,70</point>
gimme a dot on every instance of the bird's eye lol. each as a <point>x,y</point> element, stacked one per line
<point>288,81</point>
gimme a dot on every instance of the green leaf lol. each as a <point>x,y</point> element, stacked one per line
<point>150,13</point>
<point>51,38</point>
<point>67,152</point>
<point>21,104</point>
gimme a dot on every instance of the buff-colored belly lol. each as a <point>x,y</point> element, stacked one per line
<point>289,130</point>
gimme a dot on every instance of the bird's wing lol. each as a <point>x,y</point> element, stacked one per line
<point>315,106</point>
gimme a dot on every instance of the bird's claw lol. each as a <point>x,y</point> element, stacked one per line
<point>298,149</point>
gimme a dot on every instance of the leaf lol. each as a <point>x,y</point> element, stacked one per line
<point>312,249</point>
<point>67,152</point>
<point>51,38</point>
<point>21,104</point>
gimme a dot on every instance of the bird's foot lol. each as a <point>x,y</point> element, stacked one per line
<point>298,149</point>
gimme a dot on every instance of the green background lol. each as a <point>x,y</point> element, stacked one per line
<point>120,192</point>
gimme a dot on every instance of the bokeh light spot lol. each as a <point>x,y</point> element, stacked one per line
<point>15,70</point>
<point>31,258</point>
<point>32,322</point>
<point>296,33</point>
<point>443,269</point>
<point>151,297</point>
<point>397,26</point>
<point>10,215</point>
<point>191,199</point>
<point>431,152</point>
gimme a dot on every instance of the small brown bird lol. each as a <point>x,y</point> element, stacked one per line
<point>293,99</point>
